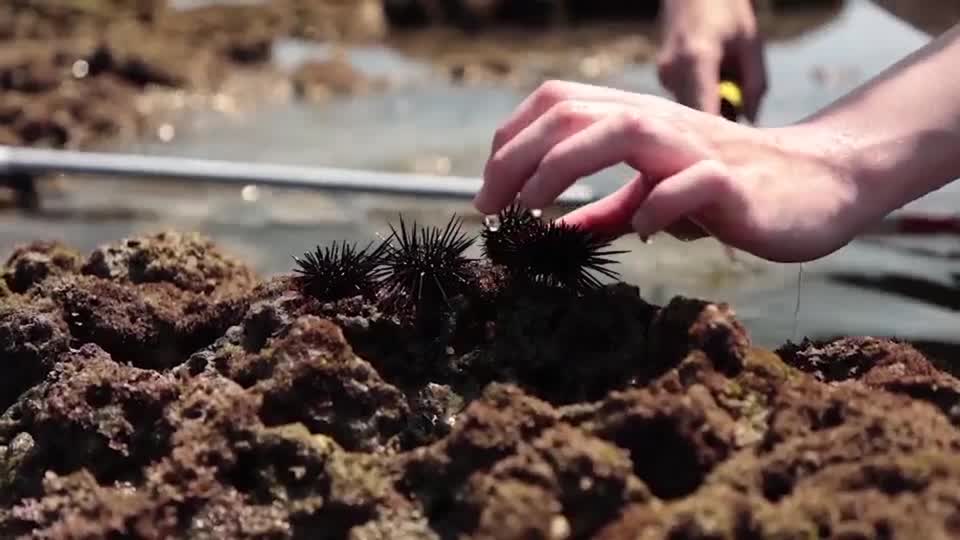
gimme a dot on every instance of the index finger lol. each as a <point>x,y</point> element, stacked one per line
<point>549,94</point>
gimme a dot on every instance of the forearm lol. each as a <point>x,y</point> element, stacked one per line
<point>898,136</point>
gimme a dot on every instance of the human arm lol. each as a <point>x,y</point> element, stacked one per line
<point>903,127</point>
<point>786,194</point>
<point>701,39</point>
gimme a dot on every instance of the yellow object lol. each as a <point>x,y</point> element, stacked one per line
<point>731,101</point>
<point>731,92</point>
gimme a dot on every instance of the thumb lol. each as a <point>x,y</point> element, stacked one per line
<point>682,195</point>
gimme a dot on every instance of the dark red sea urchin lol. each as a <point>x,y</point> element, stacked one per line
<point>427,264</point>
<point>340,270</point>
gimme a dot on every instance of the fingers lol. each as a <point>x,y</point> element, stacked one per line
<point>545,97</point>
<point>647,209</point>
<point>648,145</point>
<point>700,89</point>
<point>519,158</point>
<point>610,216</point>
<point>684,195</point>
<point>692,76</point>
<point>750,53</point>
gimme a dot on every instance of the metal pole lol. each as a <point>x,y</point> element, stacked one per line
<point>35,161</point>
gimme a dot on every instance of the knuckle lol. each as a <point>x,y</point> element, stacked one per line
<point>633,125</point>
<point>717,175</point>
<point>565,115</point>
<point>550,92</point>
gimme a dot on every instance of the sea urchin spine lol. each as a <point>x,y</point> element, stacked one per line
<point>340,271</point>
<point>427,263</point>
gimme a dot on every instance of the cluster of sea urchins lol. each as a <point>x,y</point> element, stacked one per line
<point>423,265</point>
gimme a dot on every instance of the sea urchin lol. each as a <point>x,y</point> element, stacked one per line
<point>340,270</point>
<point>427,263</point>
<point>549,253</point>
<point>501,237</point>
<point>559,254</point>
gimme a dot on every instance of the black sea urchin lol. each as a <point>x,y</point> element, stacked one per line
<point>340,270</point>
<point>559,255</point>
<point>501,237</point>
<point>427,263</point>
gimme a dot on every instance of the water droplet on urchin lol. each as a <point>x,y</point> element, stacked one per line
<point>80,69</point>
<point>536,212</point>
<point>492,222</point>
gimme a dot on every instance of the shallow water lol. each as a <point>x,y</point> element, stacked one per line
<point>426,124</point>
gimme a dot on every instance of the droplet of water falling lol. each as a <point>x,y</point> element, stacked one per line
<point>796,308</point>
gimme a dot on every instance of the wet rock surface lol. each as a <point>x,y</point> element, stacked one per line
<point>157,389</point>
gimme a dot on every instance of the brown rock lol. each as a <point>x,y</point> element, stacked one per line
<point>33,263</point>
<point>90,413</point>
<point>311,375</point>
<point>189,261</point>
<point>33,336</point>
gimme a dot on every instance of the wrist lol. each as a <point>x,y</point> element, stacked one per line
<point>889,162</point>
<point>897,135</point>
<point>830,160</point>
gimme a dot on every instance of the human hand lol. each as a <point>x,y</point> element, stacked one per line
<point>704,38</point>
<point>785,194</point>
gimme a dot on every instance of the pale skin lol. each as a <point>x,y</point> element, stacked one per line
<point>704,38</point>
<point>700,41</point>
<point>787,194</point>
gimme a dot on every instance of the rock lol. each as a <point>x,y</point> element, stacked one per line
<point>33,263</point>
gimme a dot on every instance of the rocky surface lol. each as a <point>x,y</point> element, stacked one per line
<point>155,388</point>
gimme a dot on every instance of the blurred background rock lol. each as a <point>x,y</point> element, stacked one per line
<point>71,70</point>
